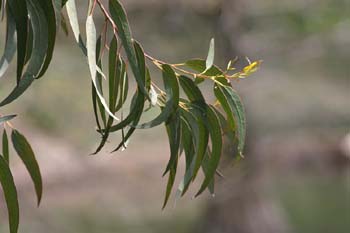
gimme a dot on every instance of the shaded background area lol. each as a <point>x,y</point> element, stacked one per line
<point>295,177</point>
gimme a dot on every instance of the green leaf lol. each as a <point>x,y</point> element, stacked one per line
<point>232,104</point>
<point>173,128</point>
<point>114,73</point>
<point>58,16</point>
<point>199,137</point>
<point>171,181</point>
<point>25,152</point>
<point>192,91</point>
<point>40,44</point>
<point>6,118</point>
<point>199,65</point>
<point>120,19</point>
<point>211,55</point>
<point>205,168</point>
<point>99,81</point>
<point>216,142</point>
<point>115,69</point>
<point>123,84</point>
<point>50,16</point>
<point>20,13</point>
<point>23,85</point>
<point>10,193</point>
<point>73,20</point>
<point>5,146</point>
<point>136,108</point>
<point>10,45</point>
<point>29,43</point>
<point>172,98</point>
<point>135,121</point>
<point>188,144</point>
<point>91,53</point>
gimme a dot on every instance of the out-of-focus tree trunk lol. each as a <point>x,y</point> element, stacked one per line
<point>250,203</point>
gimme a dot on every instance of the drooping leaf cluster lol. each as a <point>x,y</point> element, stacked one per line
<point>195,127</point>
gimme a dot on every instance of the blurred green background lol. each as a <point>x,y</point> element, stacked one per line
<point>296,175</point>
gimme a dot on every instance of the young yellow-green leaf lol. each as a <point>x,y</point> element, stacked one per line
<point>211,55</point>
<point>232,104</point>
<point>172,98</point>
<point>10,193</point>
<point>91,53</point>
<point>10,45</point>
<point>5,146</point>
<point>25,152</point>
<point>6,118</point>
<point>216,142</point>
<point>120,19</point>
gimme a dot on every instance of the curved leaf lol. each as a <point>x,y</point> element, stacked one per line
<point>232,104</point>
<point>211,55</point>
<point>25,152</point>
<point>199,65</point>
<point>172,98</point>
<point>216,142</point>
<point>50,16</point>
<point>173,127</point>
<point>10,45</point>
<point>10,193</point>
<point>91,53</point>
<point>120,19</point>
<point>73,20</point>
<point>6,118</point>
<point>23,85</point>
<point>40,44</point>
<point>5,146</point>
<point>20,13</point>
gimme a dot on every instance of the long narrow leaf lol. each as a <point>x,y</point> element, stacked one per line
<point>216,141</point>
<point>120,19</point>
<point>20,13</point>
<point>40,43</point>
<point>5,146</point>
<point>232,104</point>
<point>172,98</point>
<point>10,45</point>
<point>91,51</point>
<point>25,152</point>
<point>6,118</point>
<point>50,16</point>
<point>10,193</point>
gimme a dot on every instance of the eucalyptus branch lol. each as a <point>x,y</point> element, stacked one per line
<point>194,126</point>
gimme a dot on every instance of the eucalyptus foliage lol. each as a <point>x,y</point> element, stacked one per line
<point>195,128</point>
